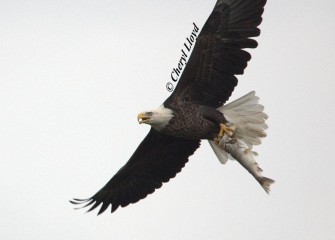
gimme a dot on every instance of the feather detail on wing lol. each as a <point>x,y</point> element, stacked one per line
<point>219,55</point>
<point>156,160</point>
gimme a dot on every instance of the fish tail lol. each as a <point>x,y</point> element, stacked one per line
<point>266,183</point>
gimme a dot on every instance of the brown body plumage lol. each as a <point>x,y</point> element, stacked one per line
<point>194,122</point>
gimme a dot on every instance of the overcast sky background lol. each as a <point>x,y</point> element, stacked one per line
<point>75,74</point>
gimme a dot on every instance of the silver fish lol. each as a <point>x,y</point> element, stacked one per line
<point>246,157</point>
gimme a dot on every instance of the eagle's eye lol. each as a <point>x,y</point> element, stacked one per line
<point>149,114</point>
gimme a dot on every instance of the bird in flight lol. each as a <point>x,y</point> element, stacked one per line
<point>196,111</point>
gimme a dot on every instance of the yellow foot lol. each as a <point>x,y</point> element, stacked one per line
<point>226,129</point>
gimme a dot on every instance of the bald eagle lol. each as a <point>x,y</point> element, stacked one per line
<point>196,111</point>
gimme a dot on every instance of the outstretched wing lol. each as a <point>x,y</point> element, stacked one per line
<point>156,160</point>
<point>209,76</point>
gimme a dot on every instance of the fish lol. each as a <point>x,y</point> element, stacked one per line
<point>246,157</point>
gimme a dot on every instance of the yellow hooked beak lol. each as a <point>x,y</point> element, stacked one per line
<point>142,118</point>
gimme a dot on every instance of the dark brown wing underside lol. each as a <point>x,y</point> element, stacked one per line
<point>209,76</point>
<point>156,160</point>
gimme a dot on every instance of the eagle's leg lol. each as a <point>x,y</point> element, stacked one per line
<point>226,129</point>
<point>218,119</point>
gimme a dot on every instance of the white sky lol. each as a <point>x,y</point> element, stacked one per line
<point>73,76</point>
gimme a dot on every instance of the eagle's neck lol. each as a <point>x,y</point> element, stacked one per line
<point>162,117</point>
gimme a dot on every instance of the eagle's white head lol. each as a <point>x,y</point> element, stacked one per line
<point>157,118</point>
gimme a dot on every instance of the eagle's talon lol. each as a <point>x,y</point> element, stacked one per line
<point>226,129</point>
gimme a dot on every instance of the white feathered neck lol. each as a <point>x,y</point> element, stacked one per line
<point>161,117</point>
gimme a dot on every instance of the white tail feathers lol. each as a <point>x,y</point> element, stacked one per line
<point>248,116</point>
